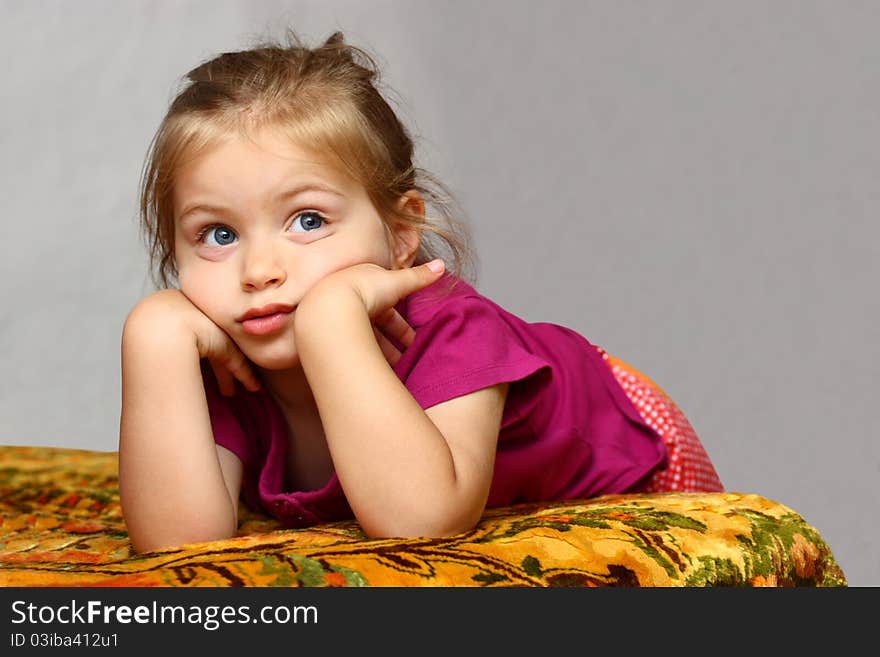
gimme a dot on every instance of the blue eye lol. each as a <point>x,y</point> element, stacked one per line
<point>306,221</point>
<point>217,236</point>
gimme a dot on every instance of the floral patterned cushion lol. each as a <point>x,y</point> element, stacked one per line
<point>61,525</point>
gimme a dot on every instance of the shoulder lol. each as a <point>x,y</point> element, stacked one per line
<point>452,315</point>
<point>452,302</point>
<point>463,342</point>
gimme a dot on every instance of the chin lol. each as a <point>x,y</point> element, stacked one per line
<point>274,361</point>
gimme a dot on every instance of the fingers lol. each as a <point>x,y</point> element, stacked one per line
<point>404,282</point>
<point>241,370</point>
<point>234,366</point>
<point>436,266</point>
<point>391,353</point>
<point>224,379</point>
<point>383,290</point>
<point>424,275</point>
<point>396,327</point>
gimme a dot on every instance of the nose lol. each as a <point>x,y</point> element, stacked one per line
<point>261,267</point>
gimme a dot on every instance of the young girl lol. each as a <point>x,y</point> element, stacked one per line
<point>316,356</point>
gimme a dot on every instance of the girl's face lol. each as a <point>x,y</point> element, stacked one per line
<point>258,222</point>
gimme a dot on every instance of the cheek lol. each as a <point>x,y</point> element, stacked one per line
<point>375,255</point>
<point>365,248</point>
<point>202,289</point>
<point>380,252</point>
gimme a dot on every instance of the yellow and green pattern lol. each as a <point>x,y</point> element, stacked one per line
<point>61,525</point>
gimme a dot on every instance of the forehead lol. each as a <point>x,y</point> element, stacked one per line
<point>240,166</point>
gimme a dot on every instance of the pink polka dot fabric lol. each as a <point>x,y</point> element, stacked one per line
<point>689,469</point>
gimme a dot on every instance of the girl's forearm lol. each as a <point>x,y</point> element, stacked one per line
<point>171,485</point>
<point>394,465</point>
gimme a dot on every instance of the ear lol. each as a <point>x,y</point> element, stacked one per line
<point>406,238</point>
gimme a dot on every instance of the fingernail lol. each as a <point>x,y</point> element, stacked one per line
<point>437,265</point>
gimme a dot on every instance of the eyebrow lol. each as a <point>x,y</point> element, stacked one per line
<point>283,196</point>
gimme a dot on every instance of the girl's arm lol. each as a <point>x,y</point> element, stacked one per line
<point>404,470</point>
<point>175,485</point>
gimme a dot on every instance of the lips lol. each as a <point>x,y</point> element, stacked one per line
<point>266,319</point>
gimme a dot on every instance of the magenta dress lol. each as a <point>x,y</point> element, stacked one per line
<point>568,430</point>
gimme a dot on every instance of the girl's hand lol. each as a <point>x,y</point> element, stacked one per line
<point>171,308</point>
<point>379,290</point>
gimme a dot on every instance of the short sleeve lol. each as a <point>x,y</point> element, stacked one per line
<point>225,426</point>
<point>465,346</point>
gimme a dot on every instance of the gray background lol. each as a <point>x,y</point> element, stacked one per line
<point>691,185</point>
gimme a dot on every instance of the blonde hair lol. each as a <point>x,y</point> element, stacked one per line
<point>327,100</point>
